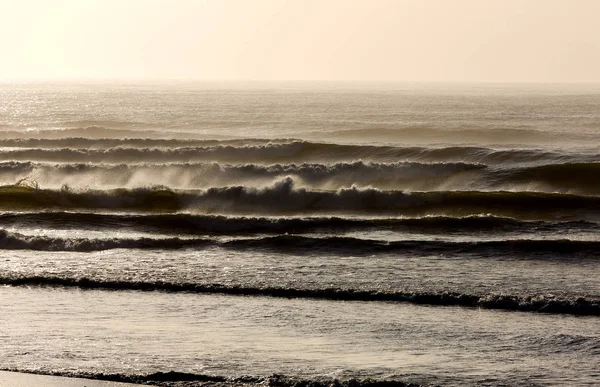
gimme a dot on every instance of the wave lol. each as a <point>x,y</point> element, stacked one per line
<point>578,177</point>
<point>143,199</point>
<point>91,129</point>
<point>301,245</point>
<point>553,249</point>
<point>561,342</point>
<point>414,175</point>
<point>523,303</point>
<point>283,198</point>
<point>196,224</point>
<point>463,135</point>
<point>16,241</point>
<point>135,142</point>
<point>174,378</point>
<point>295,151</point>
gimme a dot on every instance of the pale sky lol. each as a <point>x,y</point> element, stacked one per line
<point>362,40</point>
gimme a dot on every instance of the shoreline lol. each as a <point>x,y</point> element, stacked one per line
<point>31,379</point>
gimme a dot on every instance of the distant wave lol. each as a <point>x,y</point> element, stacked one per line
<point>300,245</point>
<point>90,129</point>
<point>295,151</point>
<point>196,224</point>
<point>283,198</point>
<point>135,142</point>
<point>524,303</point>
<point>464,135</point>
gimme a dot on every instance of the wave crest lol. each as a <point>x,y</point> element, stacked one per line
<point>300,245</point>
<point>538,303</point>
<point>184,223</point>
<point>284,198</point>
<point>295,151</point>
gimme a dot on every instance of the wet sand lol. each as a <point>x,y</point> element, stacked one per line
<point>16,379</point>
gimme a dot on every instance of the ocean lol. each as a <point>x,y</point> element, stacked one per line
<point>301,233</point>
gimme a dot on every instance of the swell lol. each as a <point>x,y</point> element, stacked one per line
<point>302,245</point>
<point>523,303</point>
<point>295,151</point>
<point>197,224</point>
<point>94,130</point>
<point>283,198</point>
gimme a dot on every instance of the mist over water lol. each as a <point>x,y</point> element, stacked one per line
<point>426,234</point>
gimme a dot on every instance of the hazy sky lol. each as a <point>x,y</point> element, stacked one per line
<point>420,40</point>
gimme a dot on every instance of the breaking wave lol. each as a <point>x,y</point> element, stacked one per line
<point>523,303</point>
<point>284,198</point>
<point>416,176</point>
<point>422,176</point>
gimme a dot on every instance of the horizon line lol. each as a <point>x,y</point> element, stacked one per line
<point>306,81</point>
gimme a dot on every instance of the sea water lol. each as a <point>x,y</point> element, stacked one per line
<point>433,234</point>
